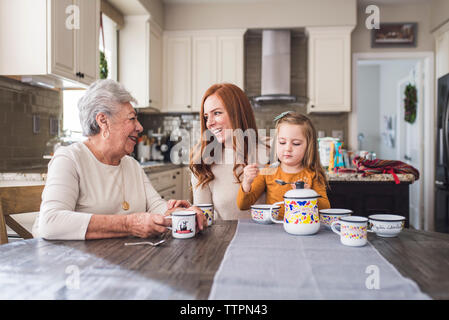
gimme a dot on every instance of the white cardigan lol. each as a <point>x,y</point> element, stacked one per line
<point>78,186</point>
<point>222,192</point>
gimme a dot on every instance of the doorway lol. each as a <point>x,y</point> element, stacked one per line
<point>377,122</point>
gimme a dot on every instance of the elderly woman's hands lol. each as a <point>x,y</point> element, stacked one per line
<point>200,218</point>
<point>144,224</point>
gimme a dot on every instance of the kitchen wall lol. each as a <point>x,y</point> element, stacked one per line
<point>439,13</point>
<point>20,148</point>
<point>265,114</point>
<point>405,12</point>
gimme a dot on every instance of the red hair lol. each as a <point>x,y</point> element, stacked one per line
<point>241,116</point>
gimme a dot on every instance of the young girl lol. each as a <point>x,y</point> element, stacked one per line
<point>297,151</point>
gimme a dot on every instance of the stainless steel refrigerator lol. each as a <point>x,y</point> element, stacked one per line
<point>442,158</point>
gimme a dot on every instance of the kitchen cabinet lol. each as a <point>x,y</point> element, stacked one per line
<point>177,88</point>
<point>168,183</point>
<point>442,50</point>
<point>140,64</point>
<point>54,38</point>
<point>195,60</point>
<point>186,187</point>
<point>366,198</point>
<point>329,69</point>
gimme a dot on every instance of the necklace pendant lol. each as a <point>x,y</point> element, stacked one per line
<point>125,205</point>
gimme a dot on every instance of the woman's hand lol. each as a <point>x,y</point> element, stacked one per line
<point>250,173</point>
<point>178,204</point>
<point>200,218</point>
<point>145,224</point>
<point>306,185</point>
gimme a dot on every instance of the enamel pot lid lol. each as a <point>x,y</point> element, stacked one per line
<point>301,193</point>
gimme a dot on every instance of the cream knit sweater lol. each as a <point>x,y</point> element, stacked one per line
<point>78,186</point>
<point>222,193</point>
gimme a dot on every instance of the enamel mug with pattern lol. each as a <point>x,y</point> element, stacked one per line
<point>353,230</point>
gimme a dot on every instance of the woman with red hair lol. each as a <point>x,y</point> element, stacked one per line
<point>228,143</point>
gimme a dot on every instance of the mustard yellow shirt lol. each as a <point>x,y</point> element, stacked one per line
<point>275,192</point>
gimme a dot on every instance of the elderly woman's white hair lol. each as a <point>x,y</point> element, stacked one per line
<point>104,96</point>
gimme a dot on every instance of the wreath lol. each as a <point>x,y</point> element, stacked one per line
<point>410,102</point>
<point>103,66</point>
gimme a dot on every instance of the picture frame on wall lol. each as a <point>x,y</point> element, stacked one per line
<point>394,35</point>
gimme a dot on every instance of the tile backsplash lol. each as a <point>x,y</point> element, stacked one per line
<point>22,148</point>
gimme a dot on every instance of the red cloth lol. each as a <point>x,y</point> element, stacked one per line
<point>378,166</point>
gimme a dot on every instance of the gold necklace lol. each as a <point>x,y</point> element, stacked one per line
<point>125,204</point>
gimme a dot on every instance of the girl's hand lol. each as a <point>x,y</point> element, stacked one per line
<point>250,172</point>
<point>306,185</point>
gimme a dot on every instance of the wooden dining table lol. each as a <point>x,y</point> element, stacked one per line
<point>178,268</point>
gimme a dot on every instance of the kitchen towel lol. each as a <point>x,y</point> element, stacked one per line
<point>265,262</point>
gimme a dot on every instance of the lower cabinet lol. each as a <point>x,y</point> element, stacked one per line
<point>170,184</point>
<point>366,198</point>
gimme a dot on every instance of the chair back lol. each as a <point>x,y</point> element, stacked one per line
<point>17,200</point>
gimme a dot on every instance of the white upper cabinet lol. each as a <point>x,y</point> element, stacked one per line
<point>329,69</point>
<point>195,60</point>
<point>57,38</point>
<point>177,73</point>
<point>155,66</point>
<point>230,59</point>
<point>442,50</point>
<point>204,64</point>
<point>88,48</point>
<point>141,60</point>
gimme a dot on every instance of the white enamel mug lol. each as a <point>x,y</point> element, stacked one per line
<point>262,213</point>
<point>353,230</point>
<point>183,224</point>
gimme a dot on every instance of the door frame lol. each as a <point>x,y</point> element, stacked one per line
<point>427,175</point>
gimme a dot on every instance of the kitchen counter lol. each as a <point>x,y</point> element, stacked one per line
<point>11,179</point>
<point>357,177</point>
<point>158,166</point>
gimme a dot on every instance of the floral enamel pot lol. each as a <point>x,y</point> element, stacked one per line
<point>301,216</point>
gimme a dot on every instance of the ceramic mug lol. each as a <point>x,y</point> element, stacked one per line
<point>261,213</point>
<point>208,211</point>
<point>386,225</point>
<point>327,216</point>
<point>183,224</point>
<point>353,230</point>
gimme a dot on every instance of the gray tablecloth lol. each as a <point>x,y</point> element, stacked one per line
<point>265,262</point>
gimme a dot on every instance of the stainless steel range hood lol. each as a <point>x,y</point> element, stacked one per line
<point>275,68</point>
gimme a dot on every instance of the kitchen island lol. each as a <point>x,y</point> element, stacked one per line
<point>377,193</point>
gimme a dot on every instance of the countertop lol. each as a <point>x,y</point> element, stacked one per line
<point>357,177</point>
<point>6,178</point>
<point>24,177</point>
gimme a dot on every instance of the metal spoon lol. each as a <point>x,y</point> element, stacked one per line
<point>154,244</point>
<point>281,182</point>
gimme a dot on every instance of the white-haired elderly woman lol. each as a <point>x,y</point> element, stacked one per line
<point>94,189</point>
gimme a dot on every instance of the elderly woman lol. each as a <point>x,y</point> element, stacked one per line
<point>94,189</point>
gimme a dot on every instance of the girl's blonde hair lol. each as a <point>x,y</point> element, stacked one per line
<point>311,158</point>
